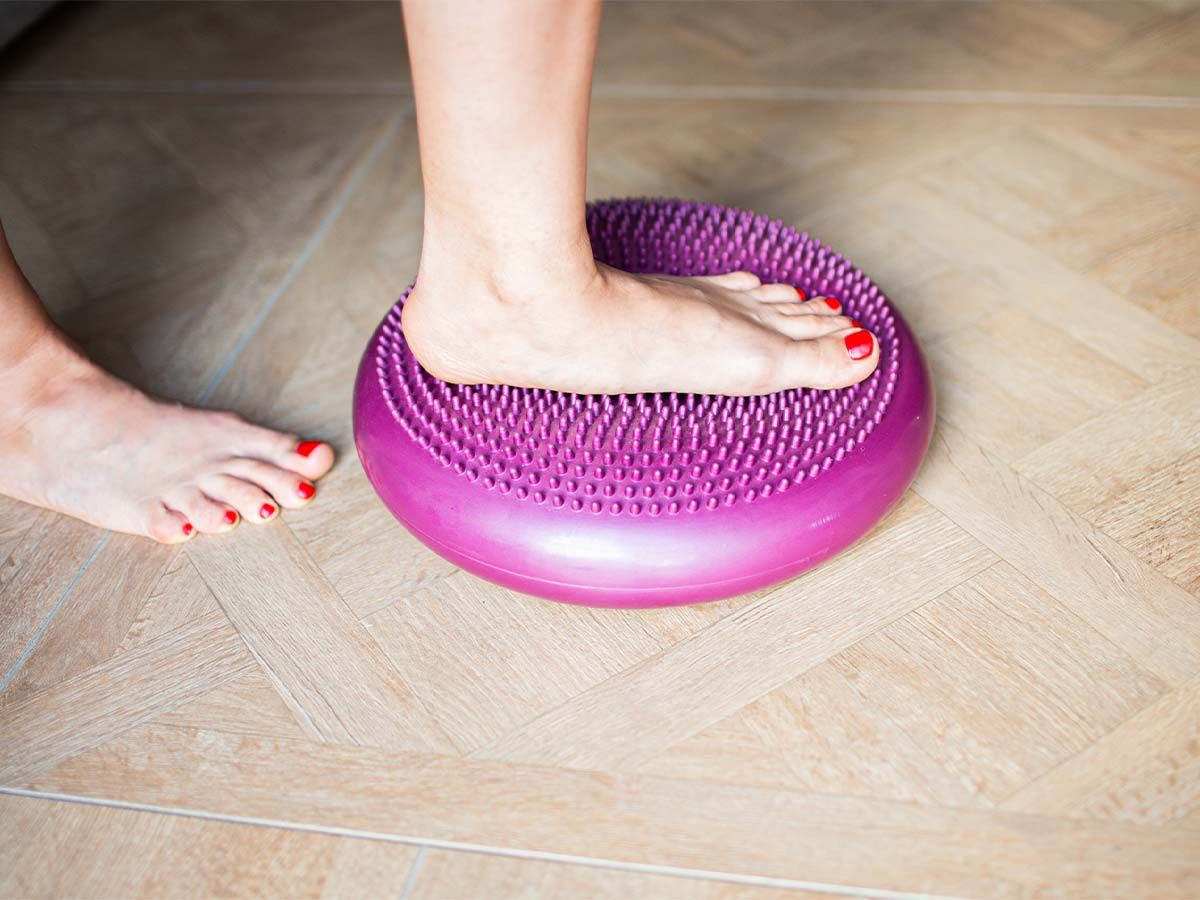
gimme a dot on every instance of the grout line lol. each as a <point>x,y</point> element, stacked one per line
<point>32,643</point>
<point>629,91</point>
<point>318,236</point>
<point>382,88</point>
<point>319,233</point>
<point>635,91</point>
<point>413,872</point>
<point>486,849</point>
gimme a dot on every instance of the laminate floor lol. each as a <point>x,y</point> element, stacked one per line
<point>996,693</point>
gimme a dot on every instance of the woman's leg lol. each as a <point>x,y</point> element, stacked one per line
<point>507,289</point>
<point>79,441</point>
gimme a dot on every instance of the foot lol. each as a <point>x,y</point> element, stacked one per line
<point>607,331</point>
<point>76,440</point>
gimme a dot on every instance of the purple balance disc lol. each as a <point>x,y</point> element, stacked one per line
<point>651,499</point>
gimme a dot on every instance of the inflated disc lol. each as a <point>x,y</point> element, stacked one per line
<point>651,499</point>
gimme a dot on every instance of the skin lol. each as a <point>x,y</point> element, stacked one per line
<point>507,291</point>
<point>79,441</point>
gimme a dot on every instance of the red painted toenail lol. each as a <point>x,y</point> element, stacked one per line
<point>834,303</point>
<point>305,490</point>
<point>856,323</point>
<point>230,517</point>
<point>803,296</point>
<point>187,528</point>
<point>860,344</point>
<point>266,511</point>
<point>307,447</point>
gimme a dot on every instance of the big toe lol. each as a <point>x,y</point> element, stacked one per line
<point>309,458</point>
<point>304,456</point>
<point>832,361</point>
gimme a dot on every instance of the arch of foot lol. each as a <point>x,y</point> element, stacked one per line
<point>656,454</point>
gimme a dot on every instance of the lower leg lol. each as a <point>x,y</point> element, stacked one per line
<point>79,441</point>
<point>507,288</point>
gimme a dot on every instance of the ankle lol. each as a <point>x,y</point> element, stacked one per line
<point>34,374</point>
<point>481,269</point>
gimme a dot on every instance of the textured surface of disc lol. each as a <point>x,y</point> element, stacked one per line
<point>651,499</point>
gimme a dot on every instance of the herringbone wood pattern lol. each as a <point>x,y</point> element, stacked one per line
<point>996,693</point>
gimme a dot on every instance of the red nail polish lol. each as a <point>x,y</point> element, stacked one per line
<point>266,511</point>
<point>834,303</point>
<point>860,344</point>
<point>803,296</point>
<point>856,323</point>
<point>187,528</point>
<point>230,517</point>
<point>305,490</point>
<point>307,447</point>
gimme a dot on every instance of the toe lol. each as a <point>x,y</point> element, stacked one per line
<point>285,486</point>
<point>835,360</point>
<point>824,306</point>
<point>169,526</point>
<point>799,326</point>
<point>778,293</point>
<point>206,514</point>
<point>734,281</point>
<point>309,458</point>
<point>251,502</point>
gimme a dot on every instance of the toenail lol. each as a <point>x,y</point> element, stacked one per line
<point>307,447</point>
<point>305,490</point>
<point>833,303</point>
<point>803,296</point>
<point>860,344</point>
<point>188,529</point>
<point>856,323</point>
<point>266,511</point>
<point>230,517</point>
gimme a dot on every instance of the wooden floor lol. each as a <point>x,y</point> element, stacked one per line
<point>995,694</point>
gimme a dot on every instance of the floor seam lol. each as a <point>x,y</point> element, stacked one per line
<point>413,871</point>
<point>36,637</point>
<point>485,849</point>
<point>630,91</point>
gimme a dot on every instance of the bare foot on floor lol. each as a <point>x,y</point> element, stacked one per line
<point>607,331</point>
<point>76,440</point>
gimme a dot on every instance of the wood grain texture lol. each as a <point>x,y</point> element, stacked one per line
<point>1135,606</point>
<point>635,819</point>
<point>1143,771</point>
<point>444,874</point>
<point>628,718</point>
<point>331,675</point>
<point>127,853</point>
<point>993,694</point>
<point>116,695</point>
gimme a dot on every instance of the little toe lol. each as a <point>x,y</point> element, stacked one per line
<point>250,501</point>
<point>734,281</point>
<point>206,514</point>
<point>286,487</point>
<point>169,526</point>
<point>835,360</point>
